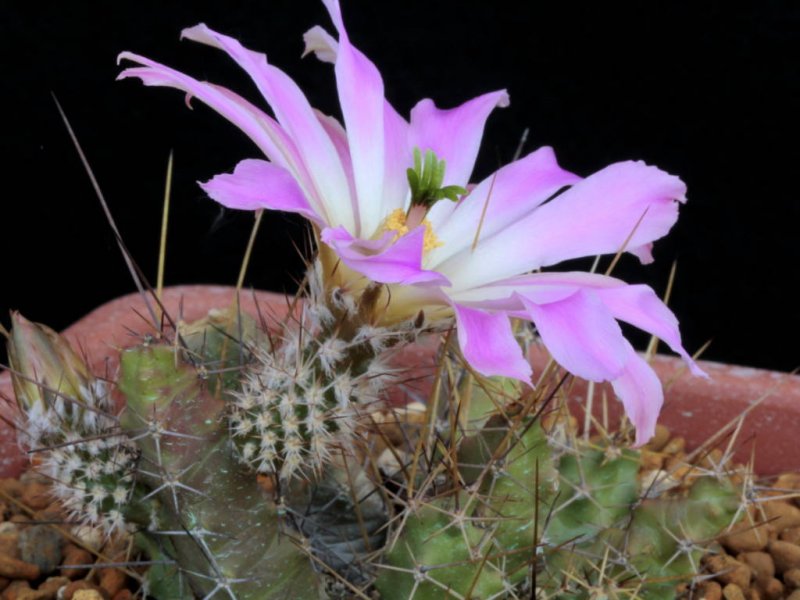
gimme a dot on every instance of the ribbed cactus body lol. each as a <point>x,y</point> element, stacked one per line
<point>255,465</point>
<point>212,518</point>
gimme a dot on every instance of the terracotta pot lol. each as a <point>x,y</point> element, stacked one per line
<point>695,408</point>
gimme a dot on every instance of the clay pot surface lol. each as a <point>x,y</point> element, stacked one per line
<point>695,408</point>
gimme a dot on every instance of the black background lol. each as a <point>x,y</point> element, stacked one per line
<point>707,91</point>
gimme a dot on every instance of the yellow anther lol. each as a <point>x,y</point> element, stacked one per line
<point>430,241</point>
<point>397,221</point>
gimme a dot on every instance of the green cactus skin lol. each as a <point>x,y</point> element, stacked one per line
<point>572,524</point>
<point>214,520</point>
<point>527,513</point>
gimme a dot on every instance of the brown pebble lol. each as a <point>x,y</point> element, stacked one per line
<point>111,580</point>
<point>123,594</point>
<point>650,461</point>
<point>13,591</point>
<point>17,569</point>
<point>733,592</point>
<point>795,595</point>
<point>36,495</point>
<point>659,440</point>
<point>760,564</point>
<point>71,592</point>
<point>772,589</point>
<point>752,594</point>
<point>729,570</point>
<point>791,535</point>
<point>782,515</point>
<point>54,583</point>
<point>787,481</point>
<point>12,487</point>
<point>4,583</point>
<point>37,595</point>
<point>708,590</point>
<point>675,446</point>
<point>792,578</point>
<point>88,595</point>
<point>75,555</point>
<point>9,543</point>
<point>785,555</point>
<point>712,460</point>
<point>747,536</point>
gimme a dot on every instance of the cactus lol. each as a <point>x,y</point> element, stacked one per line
<point>253,464</point>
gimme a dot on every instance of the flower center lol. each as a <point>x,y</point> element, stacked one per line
<point>401,223</point>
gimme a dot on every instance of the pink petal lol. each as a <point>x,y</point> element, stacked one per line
<point>501,199</point>
<point>641,307</point>
<point>635,304</point>
<point>297,117</point>
<point>383,261</point>
<point>581,334</point>
<point>397,152</point>
<point>321,43</point>
<point>641,394</point>
<point>256,124</point>
<point>454,134</point>
<point>258,184</point>
<point>488,344</point>
<point>595,216</point>
<point>338,136</point>
<point>363,106</point>
<point>397,159</point>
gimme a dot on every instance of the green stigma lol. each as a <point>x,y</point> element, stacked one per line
<point>426,178</point>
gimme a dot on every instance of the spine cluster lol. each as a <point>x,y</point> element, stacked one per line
<point>302,400</point>
<point>90,463</point>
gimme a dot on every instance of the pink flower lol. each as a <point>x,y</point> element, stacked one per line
<point>472,258</point>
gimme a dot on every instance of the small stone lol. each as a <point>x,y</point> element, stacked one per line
<point>17,588</point>
<point>73,590</point>
<point>674,447</point>
<point>785,555</point>
<point>708,590</point>
<point>4,583</point>
<point>111,580</point>
<point>782,515</point>
<point>792,578</point>
<point>760,564</point>
<point>786,482</point>
<point>650,461</point>
<point>791,535</point>
<point>9,542</point>
<point>12,487</point>
<point>771,589</point>
<point>747,536</point>
<point>36,495</point>
<point>124,594</point>
<point>88,595</point>
<point>54,583</point>
<point>75,555</point>
<point>36,595</point>
<point>733,592</point>
<point>17,569</point>
<point>729,570</point>
<point>659,440</point>
<point>752,594</point>
<point>41,546</point>
<point>712,460</point>
<point>795,595</point>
